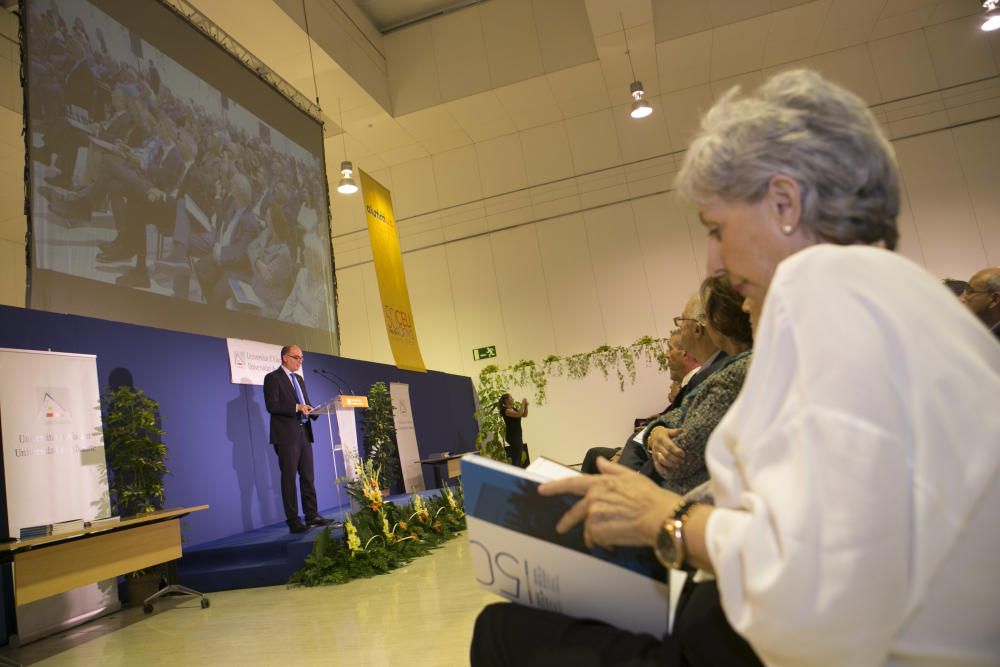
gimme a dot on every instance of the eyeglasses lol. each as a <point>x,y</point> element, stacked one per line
<point>678,320</point>
<point>295,357</point>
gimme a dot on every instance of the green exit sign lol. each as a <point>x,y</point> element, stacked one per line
<point>484,352</point>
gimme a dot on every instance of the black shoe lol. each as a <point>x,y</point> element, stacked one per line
<point>134,278</point>
<point>317,521</point>
<point>61,195</point>
<point>298,528</point>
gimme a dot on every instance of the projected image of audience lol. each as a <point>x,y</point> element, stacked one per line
<point>145,176</point>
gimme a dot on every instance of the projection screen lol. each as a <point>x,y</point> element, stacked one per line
<point>169,185</point>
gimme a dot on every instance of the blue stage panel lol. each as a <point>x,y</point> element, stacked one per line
<point>216,432</point>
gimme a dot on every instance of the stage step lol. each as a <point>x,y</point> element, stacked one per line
<point>266,556</point>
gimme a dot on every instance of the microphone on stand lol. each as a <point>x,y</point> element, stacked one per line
<point>334,379</point>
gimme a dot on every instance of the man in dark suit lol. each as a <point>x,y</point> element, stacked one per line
<point>64,139</point>
<point>134,194</point>
<point>982,297</point>
<point>232,235</point>
<point>696,342</point>
<point>681,365</point>
<point>287,401</point>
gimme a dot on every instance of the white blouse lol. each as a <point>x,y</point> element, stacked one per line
<point>858,473</point>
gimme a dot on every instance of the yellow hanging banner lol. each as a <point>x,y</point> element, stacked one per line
<point>396,310</point>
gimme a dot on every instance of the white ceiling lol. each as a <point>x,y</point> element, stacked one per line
<point>686,52</point>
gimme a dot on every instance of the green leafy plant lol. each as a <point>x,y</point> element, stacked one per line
<point>492,433</point>
<point>380,435</point>
<point>494,381</point>
<point>136,459</point>
<point>136,455</point>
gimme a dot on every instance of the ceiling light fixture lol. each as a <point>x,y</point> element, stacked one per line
<point>640,106</point>
<point>992,21</point>
<point>347,185</point>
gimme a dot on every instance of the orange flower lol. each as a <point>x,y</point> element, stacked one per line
<point>402,525</point>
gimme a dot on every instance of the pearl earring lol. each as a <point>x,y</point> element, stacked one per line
<point>787,229</point>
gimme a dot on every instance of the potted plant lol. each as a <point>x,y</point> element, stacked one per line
<point>380,436</point>
<point>136,459</point>
<point>490,439</point>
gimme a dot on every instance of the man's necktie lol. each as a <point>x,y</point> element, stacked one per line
<point>298,392</point>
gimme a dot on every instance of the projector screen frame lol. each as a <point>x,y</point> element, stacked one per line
<point>275,108</point>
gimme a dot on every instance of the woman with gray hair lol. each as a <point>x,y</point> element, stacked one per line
<point>857,476</point>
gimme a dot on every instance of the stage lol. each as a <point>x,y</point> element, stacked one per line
<point>266,556</point>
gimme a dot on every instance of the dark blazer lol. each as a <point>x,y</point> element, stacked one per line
<point>280,401</point>
<point>79,89</point>
<point>165,170</point>
<point>634,455</point>
<point>233,256</point>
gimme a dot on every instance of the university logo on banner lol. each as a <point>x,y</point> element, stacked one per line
<point>250,360</point>
<point>396,310</point>
<point>51,408</point>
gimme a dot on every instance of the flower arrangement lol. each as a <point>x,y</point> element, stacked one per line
<point>365,487</point>
<point>381,536</point>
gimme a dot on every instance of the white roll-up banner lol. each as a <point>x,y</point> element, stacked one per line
<point>406,437</point>
<point>53,442</point>
<point>54,467</point>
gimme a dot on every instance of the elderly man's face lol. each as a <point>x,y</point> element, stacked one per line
<point>675,357</point>
<point>293,359</point>
<point>978,298</point>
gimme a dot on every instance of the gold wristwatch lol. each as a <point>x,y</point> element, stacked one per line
<point>670,549</point>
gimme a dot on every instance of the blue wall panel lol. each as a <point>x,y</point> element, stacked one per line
<point>217,432</point>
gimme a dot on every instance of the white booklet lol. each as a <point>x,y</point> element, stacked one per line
<point>517,553</point>
<point>243,293</point>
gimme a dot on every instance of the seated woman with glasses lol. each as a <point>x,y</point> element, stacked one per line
<point>677,439</point>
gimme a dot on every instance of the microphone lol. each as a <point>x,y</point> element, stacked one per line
<point>334,379</point>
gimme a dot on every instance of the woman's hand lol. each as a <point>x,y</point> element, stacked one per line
<point>664,452</point>
<point>619,507</point>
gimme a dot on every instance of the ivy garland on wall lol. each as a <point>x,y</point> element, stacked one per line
<point>494,381</point>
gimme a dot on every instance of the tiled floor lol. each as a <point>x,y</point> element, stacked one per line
<point>418,615</point>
